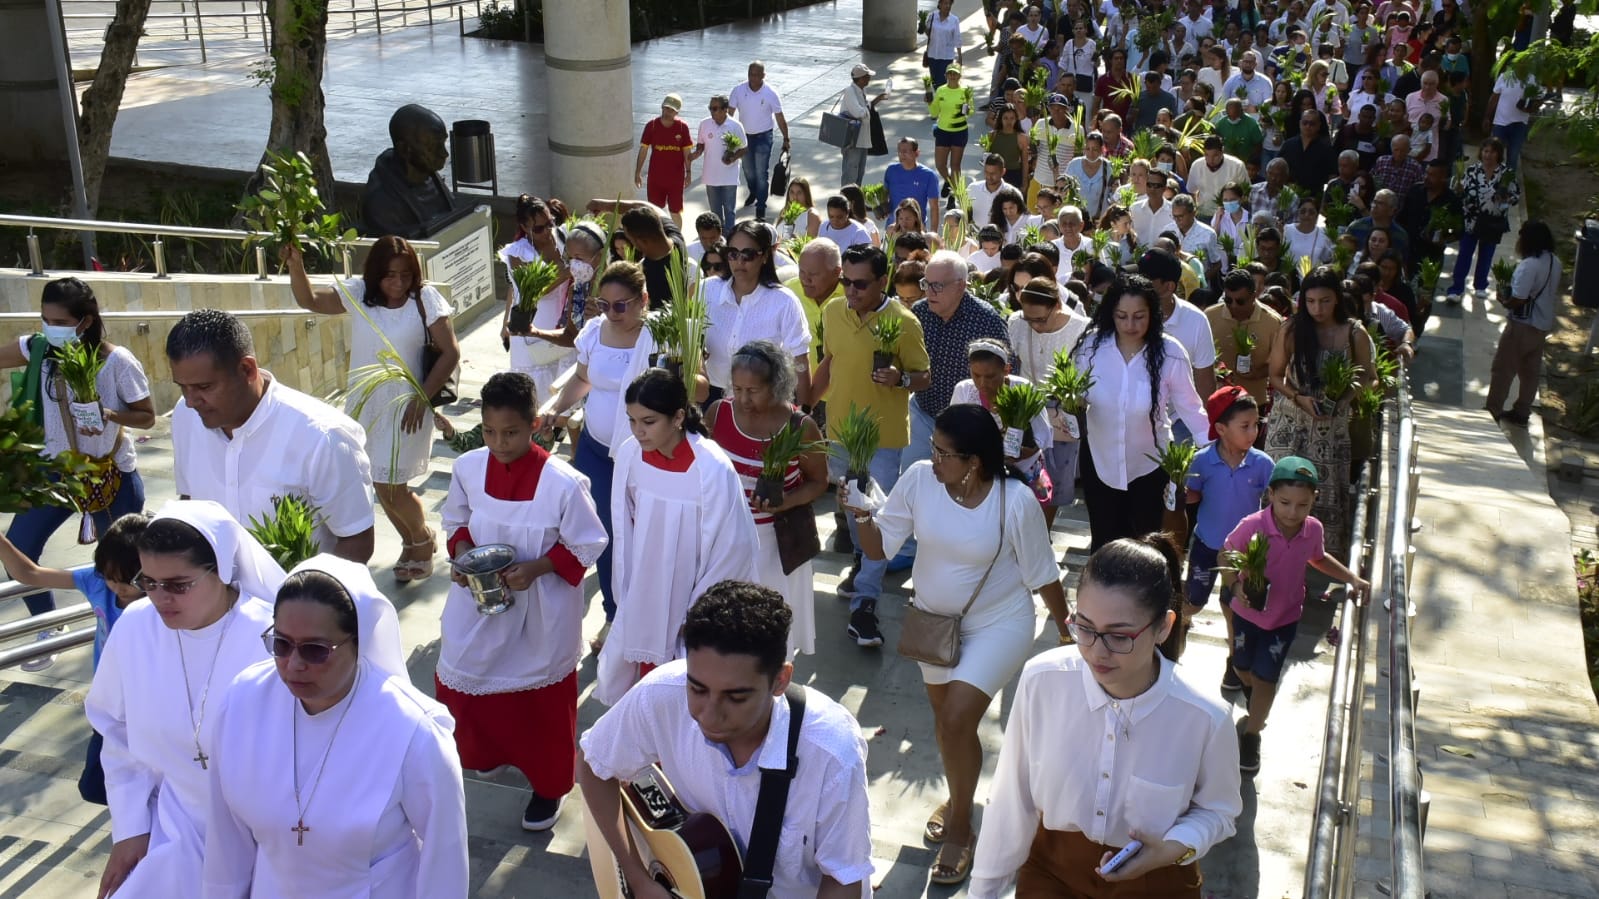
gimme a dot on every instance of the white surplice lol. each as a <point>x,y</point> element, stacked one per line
<point>676,535</point>
<point>539,639</point>
<point>153,783</point>
<point>387,818</point>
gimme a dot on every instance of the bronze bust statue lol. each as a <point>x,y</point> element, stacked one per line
<point>404,194</point>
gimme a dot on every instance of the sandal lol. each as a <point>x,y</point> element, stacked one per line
<point>947,875</point>
<point>408,570</point>
<point>933,831</point>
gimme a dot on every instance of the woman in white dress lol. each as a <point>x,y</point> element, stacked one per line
<point>307,803</point>
<point>681,524</point>
<point>160,681</point>
<point>535,342</point>
<point>982,547</point>
<point>402,314</point>
<point>760,405</point>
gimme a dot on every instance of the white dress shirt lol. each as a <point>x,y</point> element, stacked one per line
<point>1256,88</point>
<point>1205,185</point>
<point>1119,433</point>
<point>943,36</point>
<point>1201,239</point>
<point>982,201</point>
<point>1163,763</point>
<point>291,444</point>
<point>1149,223</point>
<point>1192,329</point>
<point>767,313</point>
<point>826,825</point>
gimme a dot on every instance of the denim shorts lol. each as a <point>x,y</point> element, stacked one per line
<point>1261,652</point>
<point>1201,573</point>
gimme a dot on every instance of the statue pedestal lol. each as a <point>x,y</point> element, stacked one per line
<point>888,26</point>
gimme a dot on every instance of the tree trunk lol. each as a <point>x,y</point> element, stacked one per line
<point>1484,55</point>
<point>299,57</point>
<point>104,96</point>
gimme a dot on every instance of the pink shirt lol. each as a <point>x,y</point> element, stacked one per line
<point>1285,567</point>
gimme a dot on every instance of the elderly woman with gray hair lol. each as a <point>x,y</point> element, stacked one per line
<point>746,423</point>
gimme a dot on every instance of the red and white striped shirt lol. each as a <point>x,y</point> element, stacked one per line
<point>745,452</point>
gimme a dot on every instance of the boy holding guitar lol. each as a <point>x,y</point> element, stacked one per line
<point>718,724</point>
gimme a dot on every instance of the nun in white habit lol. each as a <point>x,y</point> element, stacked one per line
<point>161,679</point>
<point>335,777</point>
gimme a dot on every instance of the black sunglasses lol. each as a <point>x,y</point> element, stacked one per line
<point>312,652</point>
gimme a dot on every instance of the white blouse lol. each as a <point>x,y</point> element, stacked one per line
<point>767,313</point>
<point>610,370</point>
<point>1119,434</point>
<point>1164,762</point>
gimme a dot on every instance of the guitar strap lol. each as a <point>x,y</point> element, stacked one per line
<point>769,807</point>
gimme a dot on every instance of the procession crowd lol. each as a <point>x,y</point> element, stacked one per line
<point>1197,243</point>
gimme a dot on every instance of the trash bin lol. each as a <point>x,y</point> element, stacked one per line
<point>472,155</point>
<point>1585,272</point>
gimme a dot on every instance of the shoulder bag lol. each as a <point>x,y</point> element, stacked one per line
<point>25,385</point>
<point>430,357</point>
<point>795,529</point>
<point>934,639</point>
<point>839,130</point>
<point>103,479</point>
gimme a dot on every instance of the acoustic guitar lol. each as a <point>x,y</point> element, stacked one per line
<point>692,854</point>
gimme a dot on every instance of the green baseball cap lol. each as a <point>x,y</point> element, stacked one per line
<point>1295,470</point>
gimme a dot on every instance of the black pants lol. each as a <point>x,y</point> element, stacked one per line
<point>1112,513</point>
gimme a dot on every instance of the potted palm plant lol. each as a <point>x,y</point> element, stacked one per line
<point>1248,566</point>
<point>1503,270</point>
<point>662,330</point>
<point>786,445</point>
<point>533,280</point>
<point>1017,405</point>
<point>730,144</point>
<point>1363,419</point>
<point>927,88</point>
<point>858,435</point>
<point>876,196</point>
<point>28,477</point>
<point>886,332</point>
<point>789,216</point>
<point>1066,388</point>
<point>289,533</point>
<point>1428,272</point>
<point>1244,340</point>
<point>79,365</point>
<point>1337,379</point>
<point>1174,459</point>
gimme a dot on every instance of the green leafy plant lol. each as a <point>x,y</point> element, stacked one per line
<point>1503,270</point>
<point>796,245</point>
<point>688,312</point>
<point>29,478</point>
<point>80,365</point>
<point>1249,566</point>
<point>1368,402</point>
<point>1018,404</point>
<point>886,331</point>
<point>992,293</point>
<point>289,211</point>
<point>1146,143</point>
<point>876,196</point>
<point>1338,373</point>
<point>1068,384</point>
<point>663,330</point>
<point>389,371</point>
<point>1029,235</point>
<point>731,143</point>
<point>1343,256</point>
<point>792,212</point>
<point>786,445</point>
<point>533,280</point>
<point>1244,339</point>
<point>858,436</point>
<point>1428,271</point>
<point>986,141</point>
<point>289,533</point>
<point>1175,458</point>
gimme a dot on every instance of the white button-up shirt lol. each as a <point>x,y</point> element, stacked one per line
<point>1163,763</point>
<point>1149,223</point>
<point>826,827</point>
<point>767,313</point>
<point>1191,327</point>
<point>1119,433</point>
<point>291,444</point>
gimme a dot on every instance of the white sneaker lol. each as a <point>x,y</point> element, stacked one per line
<point>43,662</point>
<point>1452,299</point>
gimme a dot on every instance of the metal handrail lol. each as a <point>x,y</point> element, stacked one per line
<point>46,647</point>
<point>1403,774</point>
<point>1340,755</point>
<point>42,622</point>
<point>45,620</point>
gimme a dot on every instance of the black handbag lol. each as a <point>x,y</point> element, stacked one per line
<point>879,139</point>
<point>780,176</point>
<point>795,529</point>
<point>1490,227</point>
<point>430,357</point>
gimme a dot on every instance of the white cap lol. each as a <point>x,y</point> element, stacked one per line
<point>859,70</point>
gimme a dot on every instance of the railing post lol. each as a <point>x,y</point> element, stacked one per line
<point>349,261</point>
<point>260,263</point>
<point>377,16</point>
<point>159,250</point>
<point>35,258</point>
<point>199,25</point>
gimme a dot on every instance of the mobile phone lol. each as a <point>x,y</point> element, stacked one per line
<point>1120,858</point>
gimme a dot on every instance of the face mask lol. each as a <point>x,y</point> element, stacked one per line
<point>581,271</point>
<point>1230,205</point>
<point>60,335</point>
<point>1163,166</point>
<point>1451,57</point>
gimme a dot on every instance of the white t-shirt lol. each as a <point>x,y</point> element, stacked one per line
<point>717,173</point>
<point>848,236</point>
<point>1191,328</point>
<point>608,370</point>
<point>982,200</point>
<point>757,109</point>
<point>1510,90</point>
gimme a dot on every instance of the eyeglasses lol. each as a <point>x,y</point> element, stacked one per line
<point>743,254</point>
<point>540,229</point>
<point>859,283</point>
<point>714,266</point>
<point>1120,644</point>
<point>312,652</point>
<point>937,286</point>
<point>618,307</point>
<point>175,588</point>
<point>1043,320</point>
<point>939,455</point>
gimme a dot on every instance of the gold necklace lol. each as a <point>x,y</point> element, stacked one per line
<point>299,827</point>
<point>199,754</point>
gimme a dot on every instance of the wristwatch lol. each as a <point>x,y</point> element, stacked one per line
<point>905,380</point>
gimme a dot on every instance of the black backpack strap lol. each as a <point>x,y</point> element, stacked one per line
<point>769,807</point>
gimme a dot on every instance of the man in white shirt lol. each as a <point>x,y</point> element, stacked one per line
<point>240,438</point>
<point>715,722</point>
<point>1197,21</point>
<point>759,108</point>
<point>1184,321</point>
<point>1070,241</point>
<point>1505,116</point>
<point>982,193</point>
<point>1214,172</point>
<point>1198,239</point>
<point>1254,89</point>
<point>1152,214</point>
<point>720,173</point>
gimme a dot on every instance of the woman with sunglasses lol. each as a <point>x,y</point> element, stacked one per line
<point>714,263</point>
<point>1155,759</point>
<point>613,349</point>
<point>334,776</point>
<point>160,683</point>
<point>752,304</point>
<point>982,548</point>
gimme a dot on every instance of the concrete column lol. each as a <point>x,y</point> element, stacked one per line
<point>589,73</point>
<point>29,103</point>
<point>888,26</point>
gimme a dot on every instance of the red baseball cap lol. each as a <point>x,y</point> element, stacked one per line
<point>1219,402</point>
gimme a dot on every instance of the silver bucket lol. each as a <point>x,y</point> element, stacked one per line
<point>482,566</point>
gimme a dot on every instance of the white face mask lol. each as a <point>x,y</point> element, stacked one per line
<point>581,271</point>
<point>60,335</point>
<point>1163,166</point>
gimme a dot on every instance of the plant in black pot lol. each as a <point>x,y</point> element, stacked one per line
<point>1066,389</point>
<point>886,332</point>
<point>1248,565</point>
<point>533,280</point>
<point>663,330</point>
<point>786,445</point>
<point>858,435</point>
<point>79,365</point>
<point>1337,380</point>
<point>1017,405</point>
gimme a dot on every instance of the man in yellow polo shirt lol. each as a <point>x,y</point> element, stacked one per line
<point>847,374</point>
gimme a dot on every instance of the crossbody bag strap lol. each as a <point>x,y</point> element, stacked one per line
<point>427,335</point>
<point>997,552</point>
<point>770,805</point>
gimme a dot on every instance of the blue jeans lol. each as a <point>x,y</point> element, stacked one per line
<point>91,783</point>
<point>1485,259</point>
<point>920,449</point>
<point>593,459</point>
<point>936,69</point>
<point>32,529</point>
<point>885,471</point>
<point>854,165</point>
<point>1514,135</point>
<point>758,169</point>
<point>724,202</point>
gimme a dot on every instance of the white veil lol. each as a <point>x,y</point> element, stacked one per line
<point>378,624</point>
<point>241,560</point>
